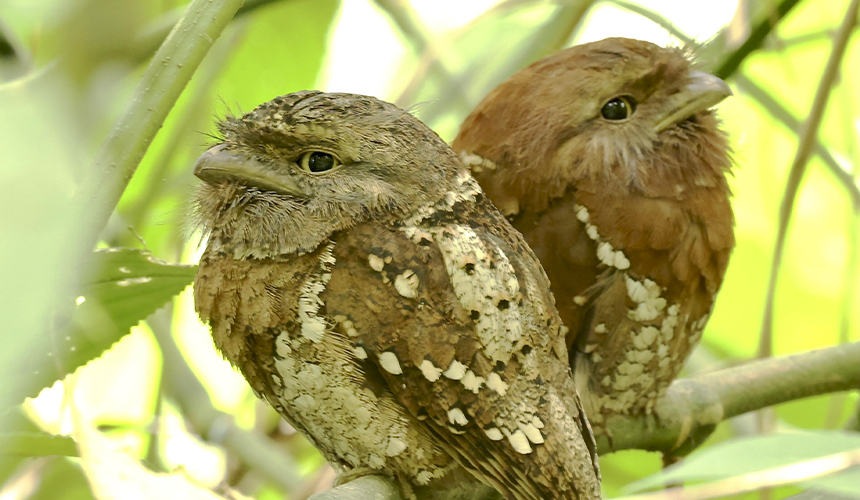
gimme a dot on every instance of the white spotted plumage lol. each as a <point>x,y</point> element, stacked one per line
<point>484,281</point>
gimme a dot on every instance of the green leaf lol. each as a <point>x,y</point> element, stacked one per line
<point>129,286</point>
<point>63,479</point>
<point>751,454</point>
<point>842,483</point>
<point>36,444</point>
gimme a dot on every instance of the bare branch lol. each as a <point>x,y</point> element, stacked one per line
<point>693,407</point>
<point>374,487</point>
<point>182,386</point>
<point>798,168</point>
<point>755,40</point>
<point>783,115</point>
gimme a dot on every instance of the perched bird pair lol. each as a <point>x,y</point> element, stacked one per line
<point>368,289</point>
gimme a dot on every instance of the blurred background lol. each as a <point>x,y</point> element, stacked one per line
<point>68,69</point>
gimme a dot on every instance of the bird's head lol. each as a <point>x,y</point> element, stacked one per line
<point>631,114</point>
<point>289,174</point>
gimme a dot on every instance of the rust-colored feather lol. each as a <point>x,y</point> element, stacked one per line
<point>630,218</point>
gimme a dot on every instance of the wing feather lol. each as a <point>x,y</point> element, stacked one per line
<point>465,333</point>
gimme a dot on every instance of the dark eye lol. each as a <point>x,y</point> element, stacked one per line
<point>619,108</point>
<point>317,162</point>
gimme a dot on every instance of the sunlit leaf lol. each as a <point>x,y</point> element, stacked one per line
<point>36,444</point>
<point>63,480</point>
<point>114,474</point>
<point>128,286</point>
<point>751,454</point>
<point>845,483</point>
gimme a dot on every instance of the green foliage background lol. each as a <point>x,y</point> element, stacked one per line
<point>69,70</point>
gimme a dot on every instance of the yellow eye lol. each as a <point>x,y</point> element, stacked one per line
<point>619,108</point>
<point>317,162</point>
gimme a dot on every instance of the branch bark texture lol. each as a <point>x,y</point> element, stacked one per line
<point>693,407</point>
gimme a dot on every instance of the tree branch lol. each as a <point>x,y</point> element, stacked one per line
<point>181,385</point>
<point>547,39</point>
<point>402,14</point>
<point>374,487</point>
<point>755,40</point>
<point>693,407</point>
<point>798,167</point>
<point>156,93</point>
<point>784,116</point>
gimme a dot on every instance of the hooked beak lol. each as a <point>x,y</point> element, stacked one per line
<point>219,164</point>
<point>703,91</point>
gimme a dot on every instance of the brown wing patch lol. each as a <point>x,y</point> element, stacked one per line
<point>243,301</point>
<point>496,414</point>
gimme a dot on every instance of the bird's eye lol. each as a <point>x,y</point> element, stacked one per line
<point>619,108</point>
<point>317,162</point>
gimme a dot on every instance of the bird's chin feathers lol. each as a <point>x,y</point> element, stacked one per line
<point>246,222</point>
<point>691,154</point>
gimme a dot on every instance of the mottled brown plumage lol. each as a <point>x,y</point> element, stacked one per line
<point>359,279</point>
<point>606,157</point>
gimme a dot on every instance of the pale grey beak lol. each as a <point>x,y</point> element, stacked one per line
<point>219,164</point>
<point>702,92</point>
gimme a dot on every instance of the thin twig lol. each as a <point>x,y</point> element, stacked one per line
<point>153,34</point>
<point>547,39</point>
<point>755,40</point>
<point>693,406</point>
<point>205,79</point>
<point>783,115</point>
<point>429,58</point>
<point>656,19</point>
<point>404,17</point>
<point>181,385</point>
<point>156,93</point>
<point>798,167</point>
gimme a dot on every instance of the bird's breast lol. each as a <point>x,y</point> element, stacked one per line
<point>271,319</point>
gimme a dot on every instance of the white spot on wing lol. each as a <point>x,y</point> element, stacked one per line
<point>395,447</point>
<point>431,372</point>
<point>388,361</point>
<point>406,284</point>
<point>484,281</point>
<point>532,433</point>
<point>376,262</point>
<point>495,382</point>
<point>423,478</point>
<point>456,416</point>
<point>314,326</point>
<point>520,442</point>
<point>581,213</point>
<point>494,434</point>
<point>455,371</point>
<point>472,382</point>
